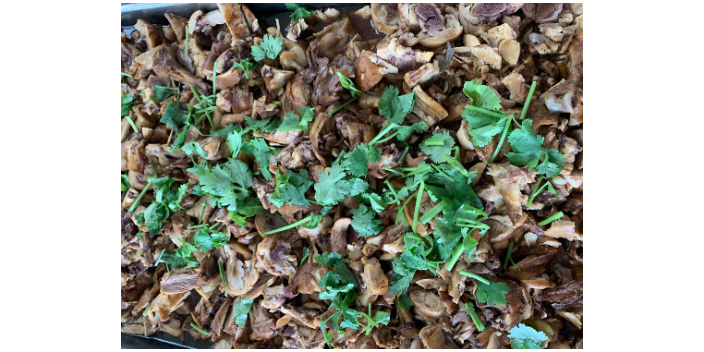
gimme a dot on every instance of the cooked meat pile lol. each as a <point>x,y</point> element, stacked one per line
<point>392,176</point>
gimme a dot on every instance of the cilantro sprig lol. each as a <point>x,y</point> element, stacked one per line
<point>291,188</point>
<point>525,337</point>
<point>338,285</point>
<point>528,150</point>
<point>269,47</point>
<point>298,12</point>
<point>395,108</point>
<point>125,182</point>
<point>240,310</point>
<point>291,122</point>
<point>245,65</point>
<point>348,84</point>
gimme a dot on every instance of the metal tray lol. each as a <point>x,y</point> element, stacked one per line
<point>154,14</point>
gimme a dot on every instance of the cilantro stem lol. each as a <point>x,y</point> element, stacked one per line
<point>435,141</point>
<point>139,197</point>
<point>508,254</point>
<point>134,127</point>
<point>419,197</point>
<point>125,74</point>
<point>552,218</point>
<point>342,106</point>
<point>389,126</point>
<point>475,276</point>
<point>528,98</point>
<point>391,188</point>
<point>475,318</point>
<point>403,154</point>
<point>297,223</point>
<point>432,212</point>
<point>456,254</point>
<point>404,206</point>
<point>186,51</point>
<point>197,226</point>
<point>537,190</point>
<point>146,309</point>
<point>507,124</point>
<point>158,260</point>
<point>222,276</point>
<point>193,325</point>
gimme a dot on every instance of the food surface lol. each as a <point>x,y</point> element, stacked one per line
<point>384,176</point>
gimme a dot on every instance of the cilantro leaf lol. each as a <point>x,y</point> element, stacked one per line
<point>174,116</point>
<point>492,294</point>
<point>327,189</point>
<point>528,150</point>
<point>269,47</point>
<point>260,150</point>
<point>127,100</point>
<point>154,216</point>
<point>304,256</point>
<point>436,151</point>
<point>525,337</point>
<point>291,123</point>
<point>337,281</point>
<point>246,66</point>
<point>363,221</point>
<point>395,108</point>
<point>125,183</point>
<point>161,92</point>
<point>224,132</point>
<point>265,126</point>
<point>291,189</point>
<point>234,141</point>
<point>240,310</point>
<point>349,85</point>
<point>178,143</point>
<point>377,203</point>
<point>403,132</point>
<point>482,96</point>
<point>206,240</point>
<point>356,161</point>
<point>298,12</point>
<point>194,148</point>
<point>483,124</point>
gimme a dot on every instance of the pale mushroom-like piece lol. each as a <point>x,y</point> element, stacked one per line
<point>373,277</point>
<point>407,17</point>
<point>510,51</point>
<point>178,25</point>
<point>236,22</point>
<point>154,35</point>
<point>427,108</point>
<point>422,75</point>
<point>427,304</point>
<point>307,278</point>
<point>385,17</point>
<point>338,236</point>
<point>542,13</point>
<point>510,180</point>
<point>370,69</point>
<point>564,229</point>
<point>434,337</point>
<point>275,78</point>
<point>516,86</point>
<point>273,255</point>
<point>488,55</point>
<point>436,30</point>
<point>240,276</point>
<point>502,32</point>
